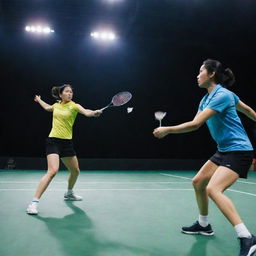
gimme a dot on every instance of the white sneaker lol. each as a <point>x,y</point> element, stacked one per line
<point>72,197</point>
<point>32,208</point>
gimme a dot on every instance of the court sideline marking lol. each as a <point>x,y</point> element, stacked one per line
<point>104,189</point>
<point>95,182</point>
<point>232,190</point>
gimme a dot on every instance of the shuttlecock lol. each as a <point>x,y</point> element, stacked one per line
<point>129,110</point>
<point>159,115</point>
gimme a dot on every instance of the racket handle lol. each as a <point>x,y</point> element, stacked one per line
<point>160,123</point>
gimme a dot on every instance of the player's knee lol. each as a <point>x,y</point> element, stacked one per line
<point>75,171</point>
<point>52,172</point>
<point>78,171</point>
<point>197,183</point>
<point>211,191</point>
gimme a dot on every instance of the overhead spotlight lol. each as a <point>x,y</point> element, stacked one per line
<point>112,1</point>
<point>103,35</point>
<point>47,30</point>
<point>95,34</point>
<point>39,29</point>
<point>111,36</point>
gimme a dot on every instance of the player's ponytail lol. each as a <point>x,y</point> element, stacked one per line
<point>222,76</point>
<point>228,78</point>
<point>57,90</point>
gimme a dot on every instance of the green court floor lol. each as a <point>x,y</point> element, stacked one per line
<point>124,213</point>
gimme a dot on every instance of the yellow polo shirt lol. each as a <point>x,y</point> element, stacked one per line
<point>64,116</point>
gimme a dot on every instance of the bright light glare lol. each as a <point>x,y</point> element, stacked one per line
<point>103,35</point>
<point>95,34</point>
<point>111,36</point>
<point>39,29</point>
<point>47,30</point>
<point>112,1</point>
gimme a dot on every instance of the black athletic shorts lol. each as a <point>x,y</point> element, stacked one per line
<point>237,161</point>
<point>62,147</point>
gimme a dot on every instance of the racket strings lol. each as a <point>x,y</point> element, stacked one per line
<point>121,98</point>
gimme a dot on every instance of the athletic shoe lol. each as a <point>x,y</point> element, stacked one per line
<point>72,197</point>
<point>248,246</point>
<point>32,208</point>
<point>197,229</point>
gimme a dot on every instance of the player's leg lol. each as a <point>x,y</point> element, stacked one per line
<point>222,179</point>
<point>53,167</point>
<point>72,165</point>
<point>200,182</point>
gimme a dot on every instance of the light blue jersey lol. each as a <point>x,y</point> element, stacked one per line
<point>225,126</point>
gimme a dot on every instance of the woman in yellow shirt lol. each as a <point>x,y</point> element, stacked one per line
<point>59,143</point>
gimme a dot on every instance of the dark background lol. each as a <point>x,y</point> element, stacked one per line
<point>160,48</point>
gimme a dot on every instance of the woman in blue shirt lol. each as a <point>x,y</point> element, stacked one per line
<point>218,109</point>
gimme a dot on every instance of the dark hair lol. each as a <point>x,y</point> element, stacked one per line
<point>222,76</point>
<point>57,90</point>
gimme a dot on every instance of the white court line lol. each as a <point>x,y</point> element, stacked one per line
<point>182,177</point>
<point>95,182</point>
<point>120,182</point>
<point>232,190</point>
<point>247,182</point>
<point>104,189</point>
<point>175,176</point>
<point>241,192</point>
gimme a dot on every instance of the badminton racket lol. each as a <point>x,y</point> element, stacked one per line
<point>119,99</point>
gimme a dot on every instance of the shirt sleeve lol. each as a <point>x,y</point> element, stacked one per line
<point>75,105</point>
<point>236,98</point>
<point>200,107</point>
<point>220,102</point>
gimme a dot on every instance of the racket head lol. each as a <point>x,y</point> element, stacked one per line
<point>121,98</point>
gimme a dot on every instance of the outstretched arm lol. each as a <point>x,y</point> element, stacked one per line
<point>43,104</point>
<point>200,118</point>
<point>245,109</point>
<point>88,112</point>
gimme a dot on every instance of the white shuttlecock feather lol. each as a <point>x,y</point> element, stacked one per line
<point>129,110</point>
<point>159,115</point>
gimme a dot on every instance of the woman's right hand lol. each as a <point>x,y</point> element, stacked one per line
<point>160,132</point>
<point>37,98</point>
<point>97,113</point>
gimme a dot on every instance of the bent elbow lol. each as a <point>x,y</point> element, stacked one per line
<point>195,126</point>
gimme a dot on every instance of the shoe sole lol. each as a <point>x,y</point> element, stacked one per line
<point>252,250</point>
<point>32,213</point>
<point>67,199</point>
<point>199,233</point>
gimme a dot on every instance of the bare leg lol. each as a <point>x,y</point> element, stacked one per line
<point>72,164</point>
<point>200,182</point>
<point>222,179</point>
<point>53,167</point>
